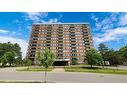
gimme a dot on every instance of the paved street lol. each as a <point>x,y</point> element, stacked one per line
<point>59,76</point>
<point>63,77</point>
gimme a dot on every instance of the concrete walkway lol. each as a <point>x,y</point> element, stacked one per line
<point>10,69</point>
<point>58,70</point>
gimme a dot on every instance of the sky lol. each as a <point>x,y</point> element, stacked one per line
<point>109,28</point>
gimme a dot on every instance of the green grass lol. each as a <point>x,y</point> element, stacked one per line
<point>35,69</point>
<point>94,70</point>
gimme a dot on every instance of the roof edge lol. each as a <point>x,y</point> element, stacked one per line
<point>57,23</point>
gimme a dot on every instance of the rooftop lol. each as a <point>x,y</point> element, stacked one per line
<point>57,23</point>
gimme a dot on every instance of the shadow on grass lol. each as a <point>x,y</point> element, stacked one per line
<point>95,68</point>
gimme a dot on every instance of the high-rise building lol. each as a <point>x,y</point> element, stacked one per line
<point>69,41</point>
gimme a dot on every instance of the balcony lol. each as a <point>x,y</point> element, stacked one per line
<point>48,33</point>
<point>61,38</point>
<point>35,38</point>
<point>60,48</point>
<point>59,51</point>
<point>72,35</point>
<point>33,45</point>
<point>73,54</point>
<point>60,34</point>
<point>87,46</point>
<point>48,39</point>
<point>34,42</point>
<point>60,41</point>
<point>73,41</point>
<point>36,33</point>
<point>73,51</point>
<point>33,48</point>
<point>85,34</point>
<point>48,44</point>
<point>48,36</point>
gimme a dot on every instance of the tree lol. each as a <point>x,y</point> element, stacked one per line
<point>93,57</point>
<point>103,50</point>
<point>114,58</point>
<point>38,58</point>
<point>45,58</point>
<point>27,62</point>
<point>17,49</point>
<point>74,61</point>
<point>9,49</point>
<point>18,62</point>
<point>123,53</point>
<point>8,57</point>
<point>3,60</point>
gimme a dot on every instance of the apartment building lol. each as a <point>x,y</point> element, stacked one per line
<point>67,40</point>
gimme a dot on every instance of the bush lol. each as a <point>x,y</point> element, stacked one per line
<point>74,61</point>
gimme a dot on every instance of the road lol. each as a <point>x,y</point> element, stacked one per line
<point>63,77</point>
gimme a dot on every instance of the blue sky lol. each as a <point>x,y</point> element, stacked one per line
<point>106,27</point>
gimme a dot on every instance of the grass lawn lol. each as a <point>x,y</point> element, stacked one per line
<point>35,69</point>
<point>94,70</point>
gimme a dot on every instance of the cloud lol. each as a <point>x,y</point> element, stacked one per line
<point>52,20</point>
<point>110,28</point>
<point>35,16</point>
<point>39,17</point>
<point>102,24</point>
<point>123,20</point>
<point>111,35</point>
<point>4,31</point>
<point>94,18</point>
<point>21,42</point>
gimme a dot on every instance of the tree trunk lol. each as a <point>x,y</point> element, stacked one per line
<point>3,65</point>
<point>45,80</point>
<point>103,64</point>
<point>91,65</point>
<point>116,67</point>
<point>10,65</point>
<point>28,68</point>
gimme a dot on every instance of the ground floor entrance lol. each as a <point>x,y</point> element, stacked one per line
<point>60,63</point>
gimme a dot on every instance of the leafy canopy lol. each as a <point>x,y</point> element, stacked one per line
<point>123,52</point>
<point>45,58</point>
<point>93,57</point>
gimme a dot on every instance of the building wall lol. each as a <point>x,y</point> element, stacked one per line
<point>67,41</point>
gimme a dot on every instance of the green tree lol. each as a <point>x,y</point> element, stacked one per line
<point>93,57</point>
<point>38,58</point>
<point>74,61</point>
<point>103,50</point>
<point>27,62</point>
<point>18,62</point>
<point>17,49</point>
<point>114,58</point>
<point>45,58</point>
<point>10,49</point>
<point>8,57</point>
<point>3,60</point>
<point>123,53</point>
